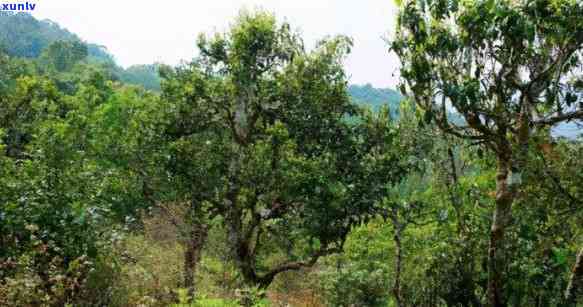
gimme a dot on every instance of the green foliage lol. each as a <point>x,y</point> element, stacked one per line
<point>509,69</point>
<point>360,277</point>
<point>62,55</point>
<point>274,113</point>
<point>516,36</point>
<point>107,174</point>
<point>144,75</point>
<point>184,301</point>
<point>148,272</point>
<point>51,206</point>
<point>24,36</point>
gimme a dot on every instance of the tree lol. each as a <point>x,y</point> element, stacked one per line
<point>145,75</point>
<point>63,55</point>
<point>52,214</point>
<point>279,116</point>
<point>395,171</point>
<point>510,68</point>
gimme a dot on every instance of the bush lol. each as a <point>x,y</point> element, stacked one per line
<point>42,276</point>
<point>360,277</point>
<point>149,272</point>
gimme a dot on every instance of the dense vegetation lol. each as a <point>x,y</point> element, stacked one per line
<point>253,175</point>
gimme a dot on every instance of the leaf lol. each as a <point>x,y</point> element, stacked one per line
<point>559,256</point>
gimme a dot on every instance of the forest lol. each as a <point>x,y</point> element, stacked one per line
<point>257,174</point>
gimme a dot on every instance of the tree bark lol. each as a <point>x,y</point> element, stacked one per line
<point>192,256</point>
<point>397,289</point>
<point>575,287</point>
<point>502,216</point>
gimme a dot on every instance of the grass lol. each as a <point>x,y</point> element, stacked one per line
<point>215,302</point>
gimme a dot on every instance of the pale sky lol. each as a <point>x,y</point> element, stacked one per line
<point>147,31</point>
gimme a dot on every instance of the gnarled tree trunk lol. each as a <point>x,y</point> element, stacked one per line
<point>502,217</point>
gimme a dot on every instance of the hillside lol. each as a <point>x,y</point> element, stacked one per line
<point>23,36</point>
<point>375,97</point>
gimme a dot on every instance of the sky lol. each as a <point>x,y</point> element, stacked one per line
<point>147,31</point>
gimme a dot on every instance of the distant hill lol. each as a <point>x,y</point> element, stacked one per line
<point>24,36</point>
<point>375,97</point>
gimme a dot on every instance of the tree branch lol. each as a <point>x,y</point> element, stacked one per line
<point>297,265</point>
<point>559,119</point>
<point>575,287</point>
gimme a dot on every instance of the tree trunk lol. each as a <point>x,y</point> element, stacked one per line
<point>502,216</point>
<point>575,287</point>
<point>239,247</point>
<point>192,255</point>
<point>397,287</point>
<point>397,293</point>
